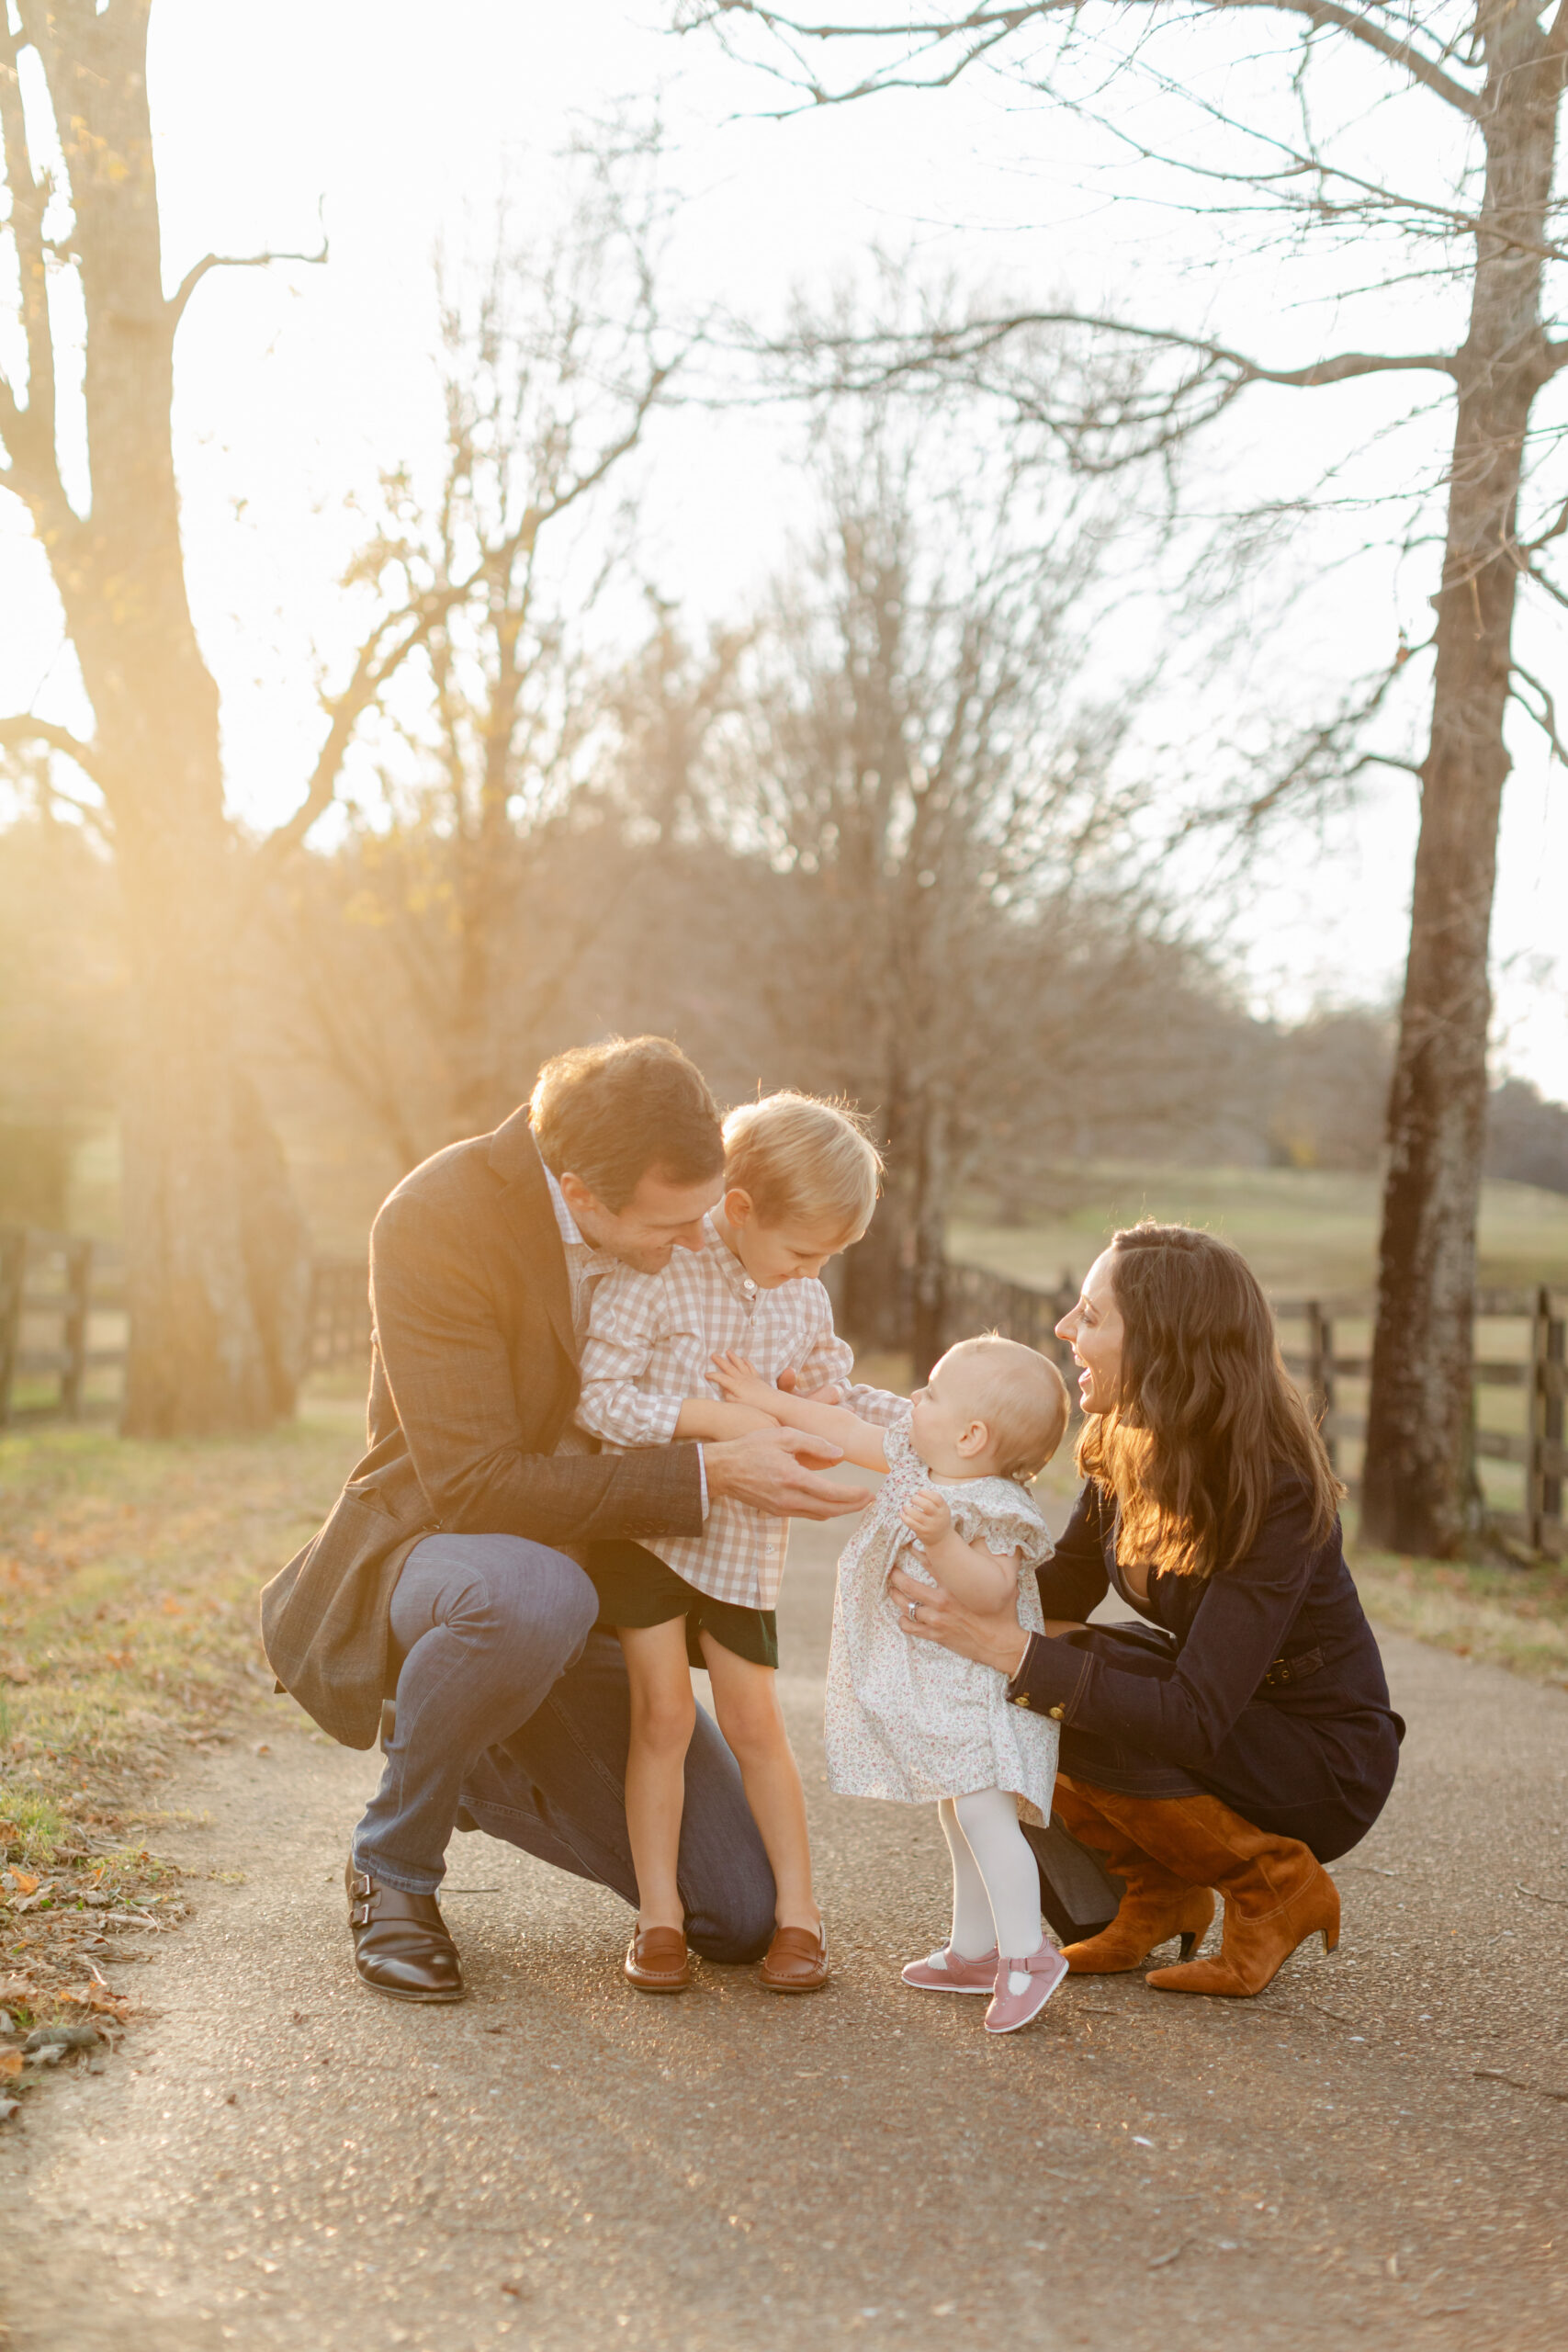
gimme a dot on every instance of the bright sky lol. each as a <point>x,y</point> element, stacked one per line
<point>403,123</point>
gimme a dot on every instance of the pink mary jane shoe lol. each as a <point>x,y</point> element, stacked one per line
<point>951,1972</point>
<point>1045,1969</point>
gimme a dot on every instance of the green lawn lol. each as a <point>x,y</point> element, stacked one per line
<point>1306,1232</point>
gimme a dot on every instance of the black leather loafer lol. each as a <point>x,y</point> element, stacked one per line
<point>401,1944</point>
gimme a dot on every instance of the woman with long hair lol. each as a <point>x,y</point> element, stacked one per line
<point>1239,1735</point>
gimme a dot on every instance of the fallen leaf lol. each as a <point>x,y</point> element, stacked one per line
<point>25,1883</point>
<point>59,2038</point>
<point>10,2064</point>
<point>1160,2261</point>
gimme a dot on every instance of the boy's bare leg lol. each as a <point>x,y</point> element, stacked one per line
<point>663,1711</point>
<point>746,1700</point>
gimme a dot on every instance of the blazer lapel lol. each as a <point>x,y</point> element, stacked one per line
<point>530,1212</point>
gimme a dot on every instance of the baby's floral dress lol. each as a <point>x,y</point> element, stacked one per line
<point>906,1719</point>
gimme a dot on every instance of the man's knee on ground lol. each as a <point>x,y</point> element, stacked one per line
<point>740,1927</point>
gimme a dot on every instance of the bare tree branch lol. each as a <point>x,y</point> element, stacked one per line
<point>208,262</point>
<point>1546,717</point>
<point>22,730</point>
<point>983,29</point>
<point>28,432</point>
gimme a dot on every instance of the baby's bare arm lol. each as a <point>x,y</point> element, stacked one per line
<point>860,1440</point>
<point>710,1418</point>
<point>975,1577</point>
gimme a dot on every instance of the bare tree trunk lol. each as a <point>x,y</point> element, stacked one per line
<point>1418,1470</point>
<point>198,1358</point>
<point>933,1179</point>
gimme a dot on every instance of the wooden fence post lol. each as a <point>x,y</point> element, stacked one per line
<point>1543,1479</point>
<point>74,1336</point>
<point>13,1272</point>
<point>1554,1383</point>
<point>1320,1374</point>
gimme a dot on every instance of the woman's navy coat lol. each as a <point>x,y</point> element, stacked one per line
<point>1262,1684</point>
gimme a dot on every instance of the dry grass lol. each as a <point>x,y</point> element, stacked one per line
<point>1512,1617</point>
<point>129,1575</point>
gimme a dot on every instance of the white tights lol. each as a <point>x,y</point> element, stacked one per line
<point>996,1885</point>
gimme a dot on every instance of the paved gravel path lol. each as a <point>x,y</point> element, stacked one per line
<point>1372,2153</point>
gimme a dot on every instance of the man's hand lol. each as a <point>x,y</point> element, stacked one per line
<point>769,1471</point>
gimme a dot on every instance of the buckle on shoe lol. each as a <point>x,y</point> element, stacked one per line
<point>361,1885</point>
<point>360,1914</point>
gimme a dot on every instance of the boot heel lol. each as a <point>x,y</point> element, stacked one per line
<point>1189,1942</point>
<point>1330,1940</point>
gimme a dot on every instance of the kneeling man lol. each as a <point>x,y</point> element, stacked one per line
<point>443,1578</point>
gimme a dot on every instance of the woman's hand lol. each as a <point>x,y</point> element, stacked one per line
<point>993,1638</point>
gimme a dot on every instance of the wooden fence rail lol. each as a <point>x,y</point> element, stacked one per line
<point>64,1324</point>
<point>63,1346</point>
<point>977,1300</point>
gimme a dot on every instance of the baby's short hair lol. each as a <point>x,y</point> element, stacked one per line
<point>797,1156</point>
<point>1022,1399</point>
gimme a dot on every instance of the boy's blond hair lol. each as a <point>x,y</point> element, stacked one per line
<point>1022,1399</point>
<point>797,1156</point>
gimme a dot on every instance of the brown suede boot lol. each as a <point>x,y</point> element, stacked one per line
<point>1276,1891</point>
<point>1155,1904</point>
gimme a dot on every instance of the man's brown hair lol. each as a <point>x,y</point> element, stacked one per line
<point>607,1113</point>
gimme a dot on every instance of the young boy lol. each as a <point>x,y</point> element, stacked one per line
<point>801,1181</point>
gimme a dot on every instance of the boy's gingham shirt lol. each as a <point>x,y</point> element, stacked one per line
<point>651,1338</point>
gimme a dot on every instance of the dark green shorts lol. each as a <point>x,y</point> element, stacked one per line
<point>636,1588</point>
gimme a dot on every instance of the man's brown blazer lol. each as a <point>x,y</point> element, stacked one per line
<point>473,1377</point>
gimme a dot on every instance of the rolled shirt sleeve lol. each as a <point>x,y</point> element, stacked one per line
<point>625,1327</point>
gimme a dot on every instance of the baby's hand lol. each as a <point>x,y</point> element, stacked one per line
<point>742,1384</point>
<point>927,1516</point>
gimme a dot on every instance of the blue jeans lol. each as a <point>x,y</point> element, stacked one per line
<point>513,1711</point>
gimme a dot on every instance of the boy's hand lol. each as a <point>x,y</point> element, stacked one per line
<point>742,1384</point>
<point>928,1516</point>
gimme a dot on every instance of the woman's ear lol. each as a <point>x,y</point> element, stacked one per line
<point>737,1207</point>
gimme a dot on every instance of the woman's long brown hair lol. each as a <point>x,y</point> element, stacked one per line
<point>1207,1416</point>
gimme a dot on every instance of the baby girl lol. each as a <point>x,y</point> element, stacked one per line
<point>915,1723</point>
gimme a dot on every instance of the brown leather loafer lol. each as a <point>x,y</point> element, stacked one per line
<point>795,1961</point>
<point>656,1961</point>
<point>401,1944</point>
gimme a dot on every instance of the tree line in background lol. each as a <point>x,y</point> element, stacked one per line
<point>893,832</point>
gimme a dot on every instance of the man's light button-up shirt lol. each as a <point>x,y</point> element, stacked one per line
<point>584,1267</point>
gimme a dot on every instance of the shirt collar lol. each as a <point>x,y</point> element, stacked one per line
<point>593,1260</point>
<point>565,1221</point>
<point>735,1274</point>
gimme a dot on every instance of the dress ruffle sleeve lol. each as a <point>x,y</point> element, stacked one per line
<point>998,1513</point>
